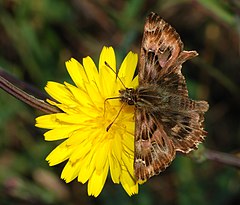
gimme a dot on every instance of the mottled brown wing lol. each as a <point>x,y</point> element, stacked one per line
<point>154,150</point>
<point>161,50</point>
<point>184,126</point>
<point>166,119</point>
<point>175,126</point>
<point>174,82</point>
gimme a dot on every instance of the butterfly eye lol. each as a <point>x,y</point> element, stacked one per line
<point>130,101</point>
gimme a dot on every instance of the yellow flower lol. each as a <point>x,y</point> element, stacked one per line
<point>91,151</point>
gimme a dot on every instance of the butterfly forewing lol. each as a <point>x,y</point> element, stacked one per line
<point>166,119</point>
<point>161,45</point>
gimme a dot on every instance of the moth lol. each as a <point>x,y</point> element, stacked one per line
<point>166,119</point>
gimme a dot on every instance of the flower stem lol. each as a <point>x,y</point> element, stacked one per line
<point>25,97</point>
<point>225,158</point>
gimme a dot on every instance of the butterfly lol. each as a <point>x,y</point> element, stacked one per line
<point>166,119</point>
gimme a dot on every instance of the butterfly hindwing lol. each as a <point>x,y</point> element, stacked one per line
<point>185,126</point>
<point>154,151</point>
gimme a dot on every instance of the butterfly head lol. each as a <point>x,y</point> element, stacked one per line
<point>129,95</point>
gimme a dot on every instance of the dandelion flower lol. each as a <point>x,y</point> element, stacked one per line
<point>91,150</point>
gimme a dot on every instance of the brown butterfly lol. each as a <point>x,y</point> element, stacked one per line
<point>167,120</point>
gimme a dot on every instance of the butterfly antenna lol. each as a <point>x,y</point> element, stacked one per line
<point>115,73</point>
<point>113,98</point>
<point>110,125</point>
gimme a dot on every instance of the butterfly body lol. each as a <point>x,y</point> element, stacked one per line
<point>167,120</point>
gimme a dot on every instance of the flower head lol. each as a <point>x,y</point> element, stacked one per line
<point>89,147</point>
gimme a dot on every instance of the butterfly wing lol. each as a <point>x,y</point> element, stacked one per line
<point>166,119</point>
<point>161,51</point>
<point>182,118</point>
<point>154,151</point>
<point>162,132</point>
<point>184,126</point>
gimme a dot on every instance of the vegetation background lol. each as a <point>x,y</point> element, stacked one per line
<point>37,37</point>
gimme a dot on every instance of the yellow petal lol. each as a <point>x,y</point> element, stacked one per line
<point>128,183</point>
<point>87,168</point>
<point>77,72</point>
<point>97,181</point>
<point>107,55</point>
<point>96,98</point>
<point>107,81</point>
<point>127,68</point>
<point>117,146</point>
<point>75,119</point>
<point>70,171</point>
<point>59,154</point>
<point>128,161</point>
<point>49,121</point>
<point>128,142</point>
<point>79,137</point>
<point>81,152</point>
<point>134,83</point>
<point>80,96</point>
<point>91,71</point>
<point>115,168</point>
<point>102,155</point>
<point>59,92</point>
<point>60,133</point>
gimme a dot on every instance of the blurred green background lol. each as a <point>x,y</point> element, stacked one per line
<point>37,37</point>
